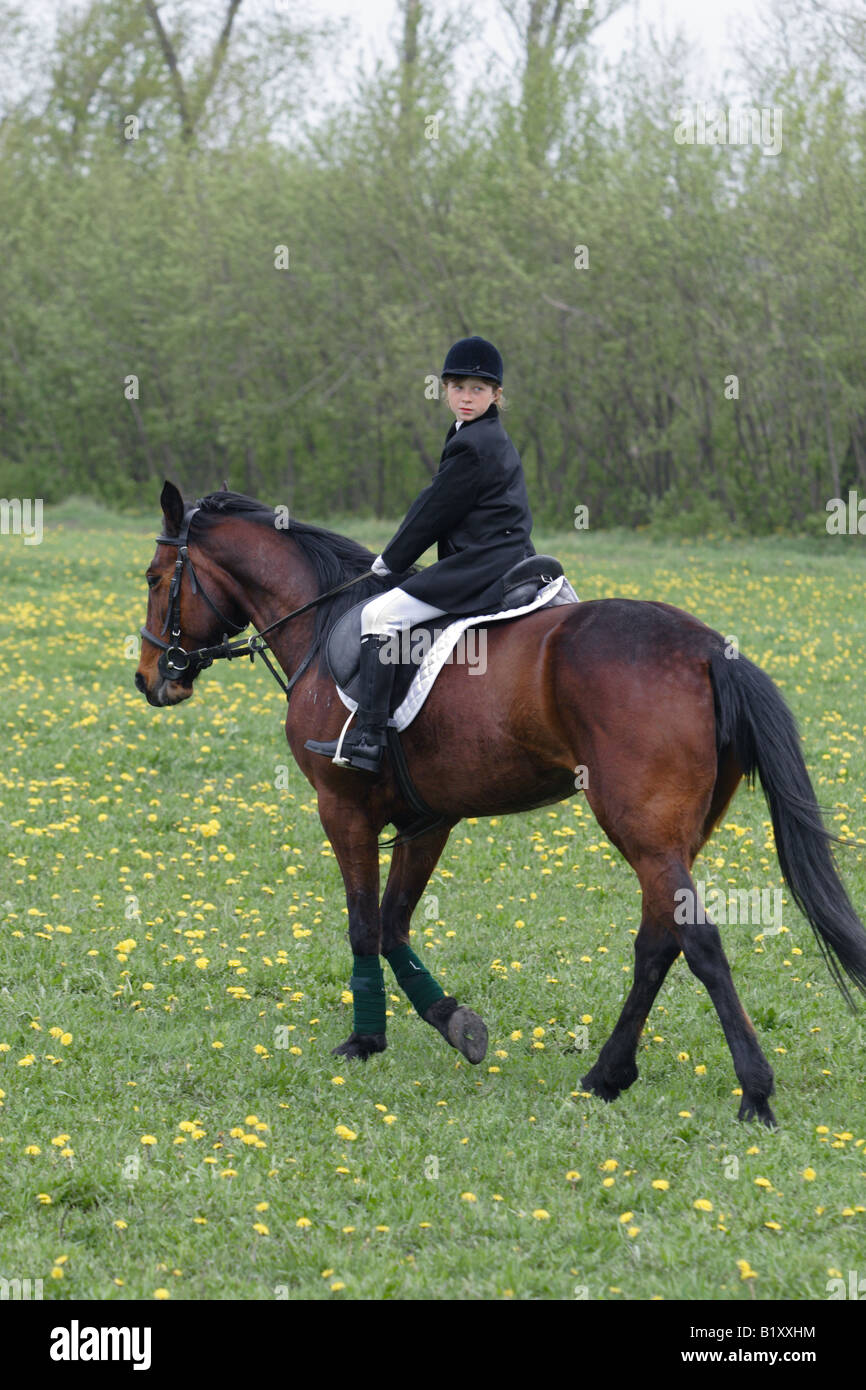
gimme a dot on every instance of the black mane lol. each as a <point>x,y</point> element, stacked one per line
<point>334,558</point>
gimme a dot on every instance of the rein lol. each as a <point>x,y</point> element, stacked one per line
<point>175,661</point>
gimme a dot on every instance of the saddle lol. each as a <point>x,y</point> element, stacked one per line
<point>343,652</point>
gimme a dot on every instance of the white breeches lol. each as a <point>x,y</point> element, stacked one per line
<point>395,610</point>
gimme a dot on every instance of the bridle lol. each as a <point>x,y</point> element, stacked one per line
<point>175,661</point>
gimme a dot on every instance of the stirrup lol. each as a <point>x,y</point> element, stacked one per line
<point>357,762</point>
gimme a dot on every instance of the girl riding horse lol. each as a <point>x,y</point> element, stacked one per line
<point>477,510</point>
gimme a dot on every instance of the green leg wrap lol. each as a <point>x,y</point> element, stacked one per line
<point>368,989</point>
<point>414,978</point>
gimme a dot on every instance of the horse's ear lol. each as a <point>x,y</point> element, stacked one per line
<point>225,486</point>
<point>172,508</point>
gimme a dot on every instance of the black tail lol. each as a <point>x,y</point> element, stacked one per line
<point>754,721</point>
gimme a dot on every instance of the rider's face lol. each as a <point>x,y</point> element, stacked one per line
<point>470,396</point>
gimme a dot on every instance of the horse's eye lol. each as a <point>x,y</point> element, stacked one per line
<point>152,580</point>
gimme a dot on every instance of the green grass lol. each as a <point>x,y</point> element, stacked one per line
<point>167,828</point>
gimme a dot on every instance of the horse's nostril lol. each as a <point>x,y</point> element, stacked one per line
<point>140,683</point>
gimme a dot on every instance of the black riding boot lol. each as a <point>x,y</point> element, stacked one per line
<point>365,740</point>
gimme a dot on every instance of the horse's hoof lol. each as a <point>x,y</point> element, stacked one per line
<point>607,1086</point>
<point>468,1033</point>
<point>600,1088</point>
<point>757,1110</point>
<point>359,1046</point>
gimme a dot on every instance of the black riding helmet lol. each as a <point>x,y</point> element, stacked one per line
<point>474,357</point>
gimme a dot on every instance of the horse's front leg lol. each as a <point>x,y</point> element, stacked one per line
<point>411,868</point>
<point>355,844</point>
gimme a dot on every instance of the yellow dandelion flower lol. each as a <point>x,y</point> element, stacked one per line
<point>148,1139</point>
<point>809,1174</point>
<point>303,1222</point>
<point>161,1294</point>
<point>702,1204</point>
<point>661,1184</point>
<point>468,1197</point>
<point>541,1215</point>
<point>343,1132</point>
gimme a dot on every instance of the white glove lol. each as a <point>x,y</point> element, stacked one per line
<point>379,567</point>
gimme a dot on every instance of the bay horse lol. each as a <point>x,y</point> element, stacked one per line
<point>641,696</point>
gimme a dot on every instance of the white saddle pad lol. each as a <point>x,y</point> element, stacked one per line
<point>556,592</point>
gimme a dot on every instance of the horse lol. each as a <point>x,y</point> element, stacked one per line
<point>660,717</point>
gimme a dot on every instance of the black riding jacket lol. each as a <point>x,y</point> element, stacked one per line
<point>477,510</point>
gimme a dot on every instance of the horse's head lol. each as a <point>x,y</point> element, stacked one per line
<point>182,616</point>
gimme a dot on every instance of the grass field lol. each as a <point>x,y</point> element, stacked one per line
<point>174,964</point>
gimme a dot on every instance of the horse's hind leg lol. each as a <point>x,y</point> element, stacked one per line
<point>670,924</point>
<point>411,867</point>
<point>702,948</point>
<point>616,1068</point>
